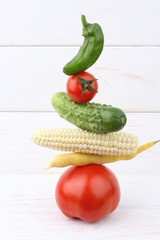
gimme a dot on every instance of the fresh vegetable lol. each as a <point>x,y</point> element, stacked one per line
<point>77,140</point>
<point>82,87</point>
<point>89,52</point>
<point>93,117</point>
<point>81,159</point>
<point>88,192</point>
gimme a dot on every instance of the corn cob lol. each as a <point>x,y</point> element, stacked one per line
<point>81,141</point>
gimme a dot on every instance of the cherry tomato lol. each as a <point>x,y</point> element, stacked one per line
<point>82,87</point>
<point>87,192</point>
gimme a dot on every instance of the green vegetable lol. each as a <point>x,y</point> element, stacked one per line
<point>92,117</point>
<point>89,52</point>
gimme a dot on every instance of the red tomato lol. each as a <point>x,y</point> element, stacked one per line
<point>82,87</point>
<point>87,192</point>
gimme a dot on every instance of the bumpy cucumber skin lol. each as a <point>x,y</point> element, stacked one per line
<point>92,117</point>
<point>89,52</point>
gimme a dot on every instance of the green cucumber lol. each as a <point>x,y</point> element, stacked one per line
<point>92,117</point>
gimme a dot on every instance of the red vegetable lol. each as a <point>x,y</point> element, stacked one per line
<point>82,87</point>
<point>87,192</point>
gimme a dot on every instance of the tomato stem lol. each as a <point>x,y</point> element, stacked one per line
<point>86,84</point>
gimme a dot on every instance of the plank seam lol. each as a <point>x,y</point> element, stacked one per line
<point>39,111</point>
<point>76,45</point>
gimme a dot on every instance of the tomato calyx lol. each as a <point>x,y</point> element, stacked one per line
<point>86,84</point>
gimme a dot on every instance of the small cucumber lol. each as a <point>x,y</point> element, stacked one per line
<point>92,117</point>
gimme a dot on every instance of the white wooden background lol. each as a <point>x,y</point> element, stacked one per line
<point>37,37</point>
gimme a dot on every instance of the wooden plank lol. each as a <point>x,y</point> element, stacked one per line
<point>29,211</point>
<point>128,77</point>
<point>134,22</point>
<point>20,156</point>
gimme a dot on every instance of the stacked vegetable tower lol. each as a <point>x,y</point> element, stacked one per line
<point>98,138</point>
